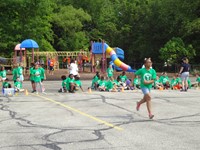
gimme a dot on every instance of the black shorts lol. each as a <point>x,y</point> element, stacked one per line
<point>32,81</point>
<point>42,80</point>
<point>51,68</point>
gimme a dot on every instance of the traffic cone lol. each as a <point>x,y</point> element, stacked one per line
<point>89,90</point>
<point>26,92</point>
<point>122,90</point>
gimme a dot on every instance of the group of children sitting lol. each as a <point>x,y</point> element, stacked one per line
<point>121,83</point>
<point>70,84</point>
<point>163,82</point>
<point>17,78</point>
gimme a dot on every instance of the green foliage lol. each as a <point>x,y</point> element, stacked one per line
<point>140,27</point>
<point>70,22</point>
<point>175,49</point>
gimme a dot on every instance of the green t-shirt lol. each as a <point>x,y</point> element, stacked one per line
<point>5,84</point>
<point>3,74</point>
<point>189,84</point>
<point>198,79</point>
<point>64,83</point>
<point>32,74</point>
<point>173,82</point>
<point>19,71</point>
<point>14,73</point>
<point>42,73</point>
<point>178,80</point>
<point>68,81</point>
<point>102,83</point>
<point>94,80</point>
<point>37,77</point>
<point>109,72</point>
<point>109,85</point>
<point>123,78</point>
<point>146,75</point>
<point>117,83</point>
<point>78,83</point>
<point>18,85</point>
<point>136,81</point>
<point>164,79</point>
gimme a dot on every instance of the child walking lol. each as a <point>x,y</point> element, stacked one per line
<point>148,76</point>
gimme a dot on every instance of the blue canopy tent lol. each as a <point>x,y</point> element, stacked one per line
<point>30,44</point>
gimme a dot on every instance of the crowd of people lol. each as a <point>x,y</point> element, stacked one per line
<point>144,79</point>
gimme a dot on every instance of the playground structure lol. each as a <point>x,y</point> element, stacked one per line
<point>56,55</point>
<point>120,55</point>
<point>103,48</point>
<point>22,55</point>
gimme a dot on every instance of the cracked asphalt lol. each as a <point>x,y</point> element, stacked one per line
<point>99,120</point>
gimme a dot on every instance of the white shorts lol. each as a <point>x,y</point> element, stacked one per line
<point>184,76</point>
<point>21,78</point>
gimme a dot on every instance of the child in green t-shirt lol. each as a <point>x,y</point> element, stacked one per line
<point>95,81</point>
<point>43,75</point>
<point>110,73</point>
<point>20,72</point>
<point>148,77</point>
<point>165,80</point>
<point>102,84</point>
<point>189,84</point>
<point>3,73</point>
<point>198,81</point>
<point>37,79</point>
<point>14,73</point>
<point>123,77</point>
<point>78,83</point>
<point>70,84</point>
<point>32,77</point>
<point>18,86</point>
<point>118,84</point>
<point>158,84</point>
<point>63,88</point>
<point>6,84</point>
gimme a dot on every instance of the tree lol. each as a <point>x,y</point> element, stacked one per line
<point>175,49</point>
<point>68,23</point>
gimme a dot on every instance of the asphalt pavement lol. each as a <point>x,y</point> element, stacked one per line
<point>99,120</point>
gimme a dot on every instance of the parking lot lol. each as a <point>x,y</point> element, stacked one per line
<point>99,120</point>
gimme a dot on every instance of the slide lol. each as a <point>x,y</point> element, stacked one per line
<point>116,60</point>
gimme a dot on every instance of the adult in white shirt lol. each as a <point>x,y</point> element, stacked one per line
<point>73,68</point>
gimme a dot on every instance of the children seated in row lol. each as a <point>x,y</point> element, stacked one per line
<point>122,82</point>
<point>70,84</point>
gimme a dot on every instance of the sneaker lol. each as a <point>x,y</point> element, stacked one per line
<point>137,106</point>
<point>151,116</point>
<point>33,91</point>
<point>44,93</point>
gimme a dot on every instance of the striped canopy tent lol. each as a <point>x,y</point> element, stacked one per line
<point>30,44</point>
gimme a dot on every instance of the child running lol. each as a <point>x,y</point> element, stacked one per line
<point>148,76</point>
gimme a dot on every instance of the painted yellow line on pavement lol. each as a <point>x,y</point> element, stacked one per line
<point>80,112</point>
